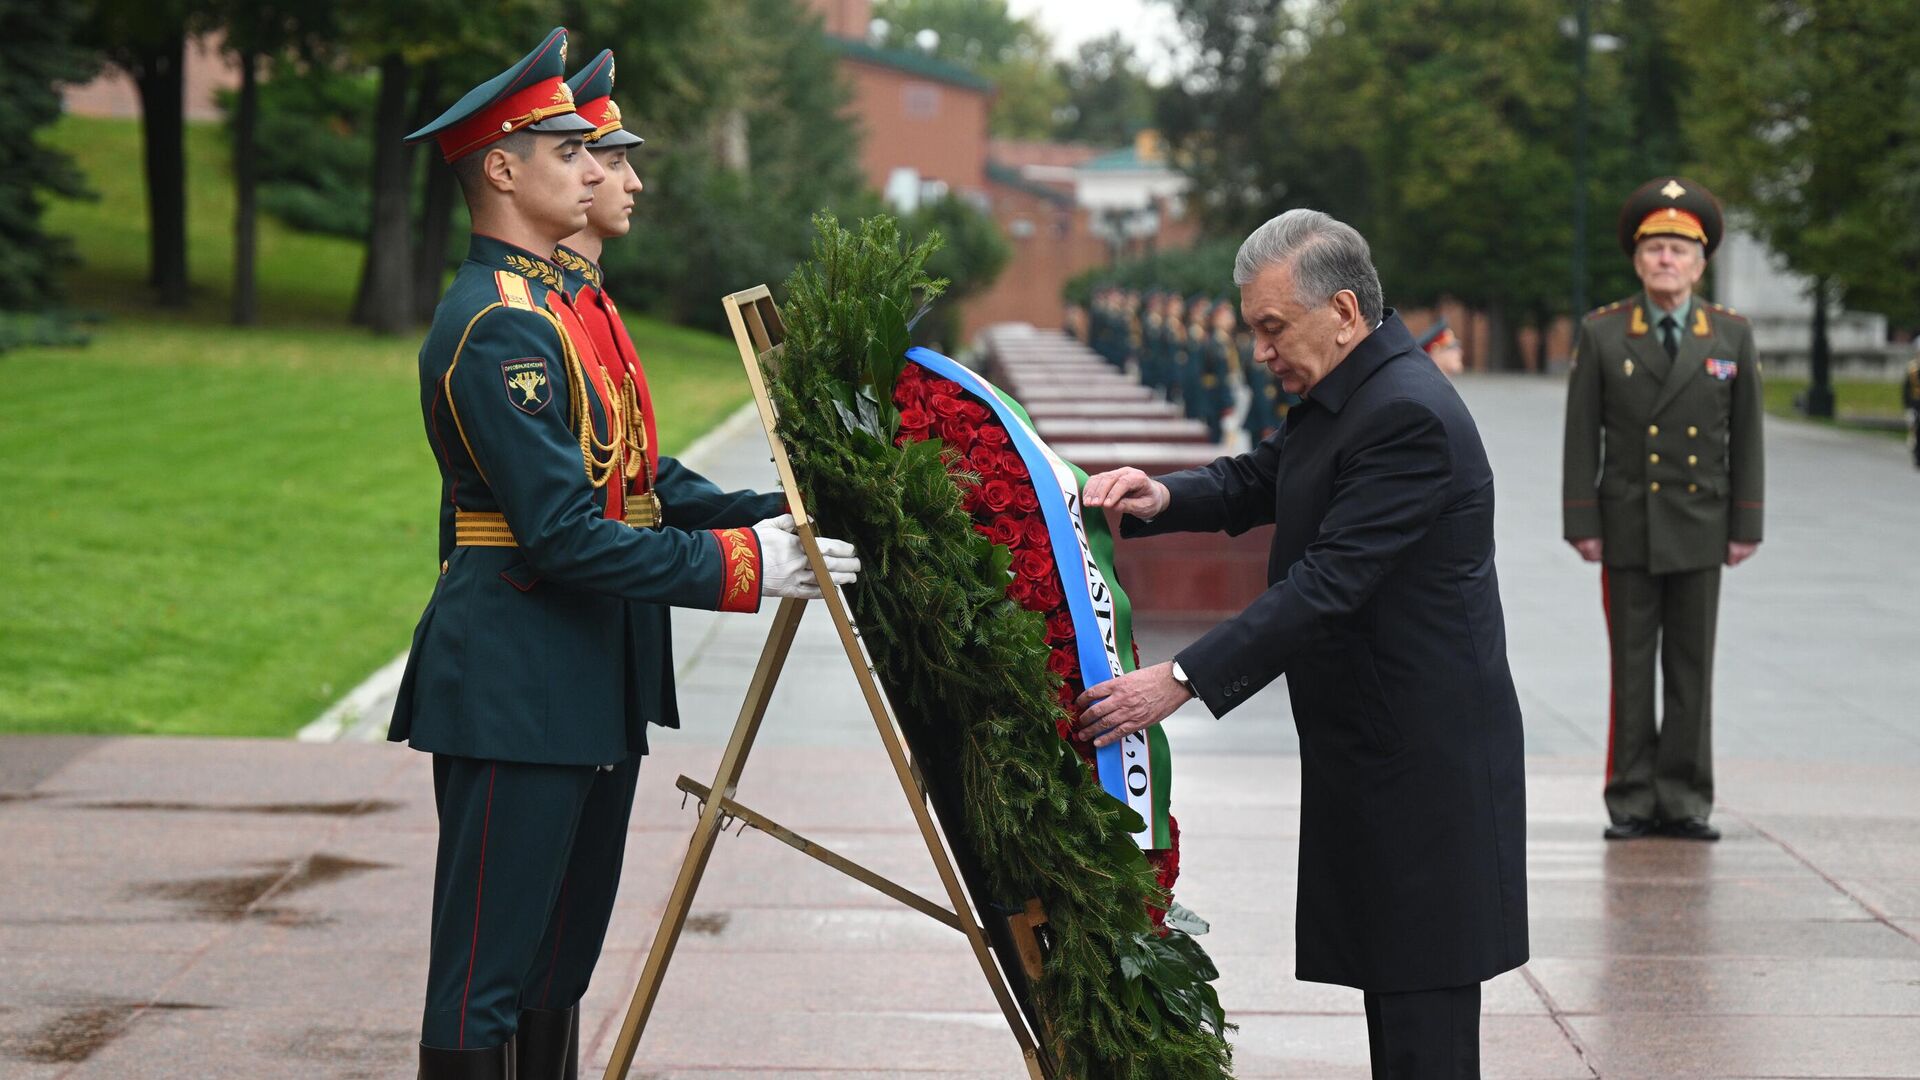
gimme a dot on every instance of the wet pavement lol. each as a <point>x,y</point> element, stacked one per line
<point>201,908</point>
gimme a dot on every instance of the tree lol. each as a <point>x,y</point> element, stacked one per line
<point>986,39</point>
<point>147,39</point>
<point>971,255</point>
<point>405,43</point>
<point>1807,116</point>
<point>736,163</point>
<point>257,31</point>
<point>1109,98</point>
<point>1442,130</point>
<point>36,53</point>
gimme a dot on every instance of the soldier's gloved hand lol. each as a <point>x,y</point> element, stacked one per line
<point>784,569</point>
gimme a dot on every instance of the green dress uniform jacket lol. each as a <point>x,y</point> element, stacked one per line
<point>1663,456</point>
<point>522,654</point>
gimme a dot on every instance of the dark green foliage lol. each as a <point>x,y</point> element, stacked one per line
<point>972,254</point>
<point>313,146</point>
<point>1444,130</point>
<point>965,668</point>
<point>706,226</point>
<point>19,329</point>
<point>1807,116</point>
<point>1204,268</point>
<point>35,54</point>
<point>1109,98</point>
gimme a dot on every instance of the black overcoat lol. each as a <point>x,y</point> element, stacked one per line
<point>1383,611</point>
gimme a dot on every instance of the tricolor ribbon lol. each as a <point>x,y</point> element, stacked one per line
<point>1136,770</point>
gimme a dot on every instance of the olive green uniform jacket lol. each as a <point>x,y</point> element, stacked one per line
<point>1663,457</point>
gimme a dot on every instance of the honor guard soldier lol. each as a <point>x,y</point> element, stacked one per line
<point>1135,333</point>
<point>530,679</point>
<point>1150,326</point>
<point>1442,346</point>
<point>1219,359</point>
<point>1268,402</point>
<point>1910,404</point>
<point>1662,486</point>
<point>1195,398</point>
<point>1165,344</point>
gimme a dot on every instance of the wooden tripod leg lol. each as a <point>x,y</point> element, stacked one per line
<point>772,658</point>
<point>1038,1066</point>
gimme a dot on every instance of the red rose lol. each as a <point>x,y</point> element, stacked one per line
<point>983,529</point>
<point>982,460</point>
<point>992,436</point>
<point>957,434</point>
<point>947,407</point>
<point>914,416</point>
<point>1032,564</point>
<point>1060,626</point>
<point>1020,591</point>
<point>1012,467</point>
<point>1026,499</point>
<point>996,495</point>
<point>970,498</point>
<point>1046,593</point>
<point>1008,533</point>
<point>975,412</point>
<point>1037,537</point>
<point>1064,662</point>
<point>944,387</point>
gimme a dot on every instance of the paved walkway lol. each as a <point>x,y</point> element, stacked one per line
<point>191,908</point>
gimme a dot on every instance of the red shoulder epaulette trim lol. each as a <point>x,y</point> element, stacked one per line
<point>1721,309</point>
<point>1610,309</point>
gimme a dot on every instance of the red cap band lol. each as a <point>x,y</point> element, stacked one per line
<point>546,98</point>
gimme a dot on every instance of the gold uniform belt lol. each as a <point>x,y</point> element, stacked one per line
<point>486,528</point>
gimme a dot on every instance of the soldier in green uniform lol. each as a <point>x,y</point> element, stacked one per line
<point>1135,333</point>
<point>1663,486</point>
<point>1219,357</point>
<point>529,679</point>
<point>1150,319</point>
<point>1910,404</point>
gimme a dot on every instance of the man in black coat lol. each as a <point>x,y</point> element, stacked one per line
<point>1383,611</point>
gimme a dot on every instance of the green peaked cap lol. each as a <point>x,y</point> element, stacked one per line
<point>592,88</point>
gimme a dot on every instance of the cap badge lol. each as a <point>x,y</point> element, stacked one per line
<point>1673,190</point>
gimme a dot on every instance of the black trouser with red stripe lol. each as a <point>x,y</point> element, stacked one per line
<point>523,887</point>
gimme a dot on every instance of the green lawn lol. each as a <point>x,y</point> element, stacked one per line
<point>214,530</point>
<point>1852,399</point>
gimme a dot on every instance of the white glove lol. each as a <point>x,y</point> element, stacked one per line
<point>784,569</point>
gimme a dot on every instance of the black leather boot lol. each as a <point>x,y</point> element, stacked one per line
<point>549,1044</point>
<point>486,1063</point>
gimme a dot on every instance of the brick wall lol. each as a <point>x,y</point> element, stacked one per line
<point>907,121</point>
<point>111,93</point>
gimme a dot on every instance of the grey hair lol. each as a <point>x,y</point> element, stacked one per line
<point>1326,254</point>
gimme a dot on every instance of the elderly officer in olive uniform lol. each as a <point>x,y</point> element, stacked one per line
<point>531,680</point>
<point>1662,486</point>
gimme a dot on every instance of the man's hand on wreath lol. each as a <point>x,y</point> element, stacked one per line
<point>1119,707</point>
<point>1129,491</point>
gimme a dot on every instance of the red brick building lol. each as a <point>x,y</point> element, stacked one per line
<point>924,131</point>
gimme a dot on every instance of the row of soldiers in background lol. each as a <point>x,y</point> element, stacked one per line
<point>1193,351</point>
<point>1196,352</point>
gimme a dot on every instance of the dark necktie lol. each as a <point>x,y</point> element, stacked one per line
<point>1670,336</point>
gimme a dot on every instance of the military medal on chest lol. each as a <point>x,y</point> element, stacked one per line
<point>1627,367</point>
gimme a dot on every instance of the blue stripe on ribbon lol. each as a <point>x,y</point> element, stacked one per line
<point>1067,557</point>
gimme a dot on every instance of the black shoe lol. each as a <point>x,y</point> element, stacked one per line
<point>1693,828</point>
<point>1630,829</point>
<point>548,1045</point>
<point>487,1063</point>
